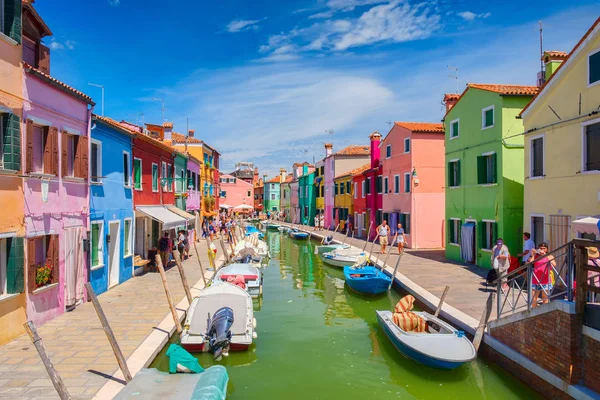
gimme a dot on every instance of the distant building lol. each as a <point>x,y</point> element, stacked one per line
<point>244,171</point>
<point>236,192</point>
<point>272,193</point>
<point>306,195</point>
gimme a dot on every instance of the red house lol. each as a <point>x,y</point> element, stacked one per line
<point>374,187</point>
<point>359,202</point>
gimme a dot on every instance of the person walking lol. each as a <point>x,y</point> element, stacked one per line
<point>501,261</point>
<point>399,238</point>
<point>528,245</point>
<point>181,244</point>
<point>164,248</point>
<point>383,230</point>
<point>542,279</point>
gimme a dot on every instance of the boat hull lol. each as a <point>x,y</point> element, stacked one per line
<point>331,247</point>
<point>372,281</point>
<point>299,235</point>
<point>203,347</point>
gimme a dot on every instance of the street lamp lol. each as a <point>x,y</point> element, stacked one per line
<point>102,87</point>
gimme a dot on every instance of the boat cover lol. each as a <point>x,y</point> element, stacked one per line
<point>210,304</point>
<point>182,361</point>
<point>407,320</point>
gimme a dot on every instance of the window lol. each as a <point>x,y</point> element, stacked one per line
<point>10,141</point>
<point>42,261</point>
<point>322,171</point>
<point>594,68</point>
<point>10,24</point>
<point>97,243</point>
<point>71,142</point>
<point>154,177</point>
<point>127,238</point>
<point>454,128</point>
<point>137,174</point>
<point>38,149</point>
<point>164,176</point>
<point>454,231</point>
<point>342,188</point>
<point>454,173</point>
<point>272,186</point>
<point>537,229</point>
<point>407,182</point>
<point>396,183</point>
<point>404,219</point>
<point>388,151</point>
<point>126,174</point>
<point>323,191</point>
<point>368,186</point>
<point>273,196</point>
<point>96,161</point>
<point>379,184</point>
<point>170,178</point>
<point>489,232</point>
<point>385,185</point>
<point>486,169</point>
<point>335,189</point>
<point>355,190</point>
<point>248,193</point>
<point>591,147</point>
<point>536,159</point>
<point>406,145</point>
<point>12,280</point>
<point>487,117</point>
<point>348,187</point>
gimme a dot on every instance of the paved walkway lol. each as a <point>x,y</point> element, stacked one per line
<point>77,344</point>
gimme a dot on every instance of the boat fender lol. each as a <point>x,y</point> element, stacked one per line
<point>460,334</point>
<point>254,323</point>
<point>254,335</point>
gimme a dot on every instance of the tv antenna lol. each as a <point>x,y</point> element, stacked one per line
<point>162,108</point>
<point>454,75</point>
<point>329,132</point>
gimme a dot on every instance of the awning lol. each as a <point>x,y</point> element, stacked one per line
<point>225,206</point>
<point>587,225</point>
<point>243,207</point>
<point>181,213</point>
<point>169,219</point>
<point>209,213</point>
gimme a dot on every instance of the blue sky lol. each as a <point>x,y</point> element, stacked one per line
<point>264,81</point>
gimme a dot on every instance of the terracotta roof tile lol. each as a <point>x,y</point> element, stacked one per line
<point>289,178</point>
<point>167,125</point>
<point>54,81</point>
<point>274,180</point>
<point>555,55</point>
<point>180,139</point>
<point>360,170</point>
<point>114,124</point>
<point>507,90</point>
<point>422,127</point>
<point>451,97</point>
<point>355,150</point>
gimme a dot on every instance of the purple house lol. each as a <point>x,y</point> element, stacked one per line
<point>55,158</point>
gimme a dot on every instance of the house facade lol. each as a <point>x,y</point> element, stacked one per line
<point>320,186</point>
<point>111,205</point>
<point>286,196</point>
<point>192,203</point>
<point>306,195</point>
<point>374,187</point>
<point>412,164</point>
<point>562,164</point>
<point>259,195</point>
<point>272,193</point>
<point>485,173</point>
<point>236,192</point>
<point>359,201</point>
<point>343,189</point>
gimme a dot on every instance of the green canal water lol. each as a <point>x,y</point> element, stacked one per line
<point>318,340</point>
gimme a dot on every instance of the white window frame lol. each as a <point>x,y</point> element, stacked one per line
<point>584,146</point>
<point>127,183</point>
<point>483,110</point>
<point>272,186</point>
<point>98,143</point>
<point>397,186</point>
<point>454,160</point>
<point>163,176</point>
<point>406,140</point>
<point>272,196</point>
<point>389,146</point>
<point>355,190</point>
<point>457,120</point>
<point>531,139</point>
<point>128,252</point>
<point>538,215</point>
<point>364,188</point>
<point>100,244</point>
<point>488,221</point>
<point>141,175</point>
<point>587,80</point>
<point>386,185</point>
<point>453,220</point>
<point>407,188</point>
<point>157,178</point>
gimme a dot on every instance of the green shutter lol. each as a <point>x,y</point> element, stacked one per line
<point>12,19</point>
<point>154,177</point>
<point>457,183</point>
<point>137,173</point>
<point>489,117</point>
<point>11,139</point>
<point>15,277</point>
<point>450,174</point>
<point>481,170</point>
<point>594,67</point>
<point>494,171</point>
<point>95,244</point>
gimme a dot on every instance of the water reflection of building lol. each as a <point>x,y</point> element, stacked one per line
<point>274,242</point>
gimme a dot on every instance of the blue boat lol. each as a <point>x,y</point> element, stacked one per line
<point>441,346</point>
<point>250,229</point>
<point>296,234</point>
<point>367,280</point>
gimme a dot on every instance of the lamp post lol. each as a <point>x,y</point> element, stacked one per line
<point>101,87</point>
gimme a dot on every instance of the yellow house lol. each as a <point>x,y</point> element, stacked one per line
<point>562,143</point>
<point>320,186</point>
<point>343,192</point>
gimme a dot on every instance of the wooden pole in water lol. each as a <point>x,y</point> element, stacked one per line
<point>57,381</point>
<point>325,237</point>
<point>368,234</point>
<point>184,281</point>
<point>373,245</point>
<point>385,261</point>
<point>109,333</point>
<point>395,270</point>
<point>439,307</point>
<point>483,322</point>
<point>163,277</point>
<point>200,264</point>
<point>227,257</point>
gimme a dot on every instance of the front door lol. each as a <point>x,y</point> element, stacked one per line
<point>140,237</point>
<point>75,269</point>
<point>467,242</point>
<point>114,251</point>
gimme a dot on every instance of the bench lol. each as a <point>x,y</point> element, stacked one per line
<point>138,261</point>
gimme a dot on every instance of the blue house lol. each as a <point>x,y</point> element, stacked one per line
<point>111,204</point>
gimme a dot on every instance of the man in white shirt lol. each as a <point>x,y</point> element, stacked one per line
<point>528,245</point>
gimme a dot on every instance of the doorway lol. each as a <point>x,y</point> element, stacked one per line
<point>114,251</point>
<point>75,268</point>
<point>467,242</point>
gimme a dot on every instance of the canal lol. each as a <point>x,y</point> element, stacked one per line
<point>317,340</point>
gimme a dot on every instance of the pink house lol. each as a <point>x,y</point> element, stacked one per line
<point>235,191</point>
<point>412,160</point>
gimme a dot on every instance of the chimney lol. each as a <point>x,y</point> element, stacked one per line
<point>168,130</point>
<point>552,60</point>
<point>255,177</point>
<point>191,133</point>
<point>282,175</point>
<point>375,153</point>
<point>328,149</point>
<point>450,100</point>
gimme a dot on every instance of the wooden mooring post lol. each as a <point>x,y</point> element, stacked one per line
<point>57,381</point>
<point>477,339</point>
<point>163,277</point>
<point>227,257</point>
<point>200,264</point>
<point>184,281</point>
<point>442,299</point>
<point>109,333</point>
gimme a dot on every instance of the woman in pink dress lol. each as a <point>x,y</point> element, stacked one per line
<point>541,281</point>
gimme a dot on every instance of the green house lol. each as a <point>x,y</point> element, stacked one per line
<point>180,180</point>
<point>307,199</point>
<point>484,170</point>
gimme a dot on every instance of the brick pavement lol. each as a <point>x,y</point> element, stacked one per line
<point>77,344</point>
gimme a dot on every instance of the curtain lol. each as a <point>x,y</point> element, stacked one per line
<point>466,245</point>
<point>75,276</point>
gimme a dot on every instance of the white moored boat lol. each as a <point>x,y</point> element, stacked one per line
<point>344,257</point>
<point>252,277</point>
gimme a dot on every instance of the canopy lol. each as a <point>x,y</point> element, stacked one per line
<point>169,219</point>
<point>225,206</point>
<point>181,213</point>
<point>587,225</point>
<point>243,207</point>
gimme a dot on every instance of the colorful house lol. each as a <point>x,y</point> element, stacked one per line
<point>413,172</point>
<point>562,157</point>
<point>359,201</point>
<point>12,228</point>
<point>343,201</point>
<point>306,195</point>
<point>235,192</point>
<point>181,181</point>
<point>345,160</point>
<point>111,205</point>
<point>272,192</point>
<point>259,194</point>
<point>192,203</point>
<point>320,186</point>
<point>55,161</point>
<point>484,164</point>
<point>374,187</point>
<point>285,194</point>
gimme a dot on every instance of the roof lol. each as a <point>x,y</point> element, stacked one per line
<point>56,83</point>
<point>355,150</point>
<point>45,29</point>
<point>275,180</point>
<point>507,90</point>
<point>562,65</point>
<point>451,97</point>
<point>289,178</point>
<point>179,138</point>
<point>422,127</point>
<point>360,170</point>
<point>114,124</point>
<point>555,55</point>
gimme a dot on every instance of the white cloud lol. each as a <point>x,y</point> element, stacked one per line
<point>114,3</point>
<point>70,44</point>
<point>56,45</point>
<point>242,25</point>
<point>470,16</point>
<point>349,5</point>
<point>322,15</point>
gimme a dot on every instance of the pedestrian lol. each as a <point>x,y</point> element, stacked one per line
<point>204,229</point>
<point>399,238</point>
<point>164,248</point>
<point>186,243</point>
<point>501,261</point>
<point>212,230</point>
<point>383,231</point>
<point>542,280</point>
<point>528,245</point>
<point>181,244</point>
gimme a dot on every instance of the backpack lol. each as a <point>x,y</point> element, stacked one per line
<point>163,244</point>
<point>492,276</point>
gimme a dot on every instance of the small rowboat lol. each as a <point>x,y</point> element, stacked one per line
<point>326,248</point>
<point>283,229</point>
<point>296,234</point>
<point>271,226</point>
<point>367,280</point>
<point>344,257</point>
<point>250,229</point>
<point>441,346</point>
<point>252,277</point>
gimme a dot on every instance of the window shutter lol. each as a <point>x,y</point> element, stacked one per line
<point>481,175</point>
<point>64,154</point>
<point>43,58</point>
<point>48,151</point>
<point>489,117</point>
<point>451,175</point>
<point>31,264</point>
<point>53,250</point>
<point>55,157</point>
<point>450,226</point>
<point>12,19</point>
<point>494,169</point>
<point>15,278</point>
<point>457,183</point>
<point>594,67</point>
<point>95,241</point>
<point>481,238</point>
<point>12,142</point>
<point>29,155</point>
<point>84,163</point>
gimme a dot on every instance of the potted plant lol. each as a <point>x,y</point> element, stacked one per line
<point>43,274</point>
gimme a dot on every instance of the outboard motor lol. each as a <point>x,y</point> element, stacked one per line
<point>328,240</point>
<point>218,332</point>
